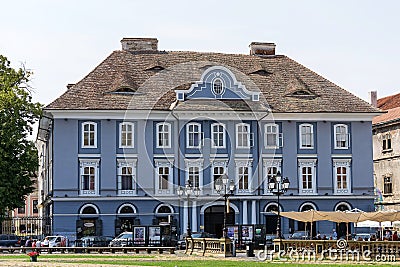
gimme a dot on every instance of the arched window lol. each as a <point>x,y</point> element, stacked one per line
<point>126,209</point>
<point>218,87</point>
<point>89,209</point>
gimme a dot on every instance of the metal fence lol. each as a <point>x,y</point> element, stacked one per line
<point>26,226</point>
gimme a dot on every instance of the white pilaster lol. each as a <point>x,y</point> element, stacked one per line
<point>245,221</point>
<point>185,216</point>
<point>194,217</point>
<point>253,212</point>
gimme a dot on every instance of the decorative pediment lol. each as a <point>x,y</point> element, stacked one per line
<point>217,82</point>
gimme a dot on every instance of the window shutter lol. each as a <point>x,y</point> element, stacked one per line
<point>280,140</point>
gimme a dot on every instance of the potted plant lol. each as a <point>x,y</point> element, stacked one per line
<point>33,255</point>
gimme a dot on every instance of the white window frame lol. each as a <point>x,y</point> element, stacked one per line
<point>195,164</point>
<point>307,163</point>
<point>215,144</point>
<point>132,132</point>
<point>346,164</point>
<point>304,125</point>
<point>218,164</point>
<point>92,163</point>
<point>163,164</point>
<point>89,123</point>
<point>248,134</point>
<point>243,164</point>
<point>129,163</point>
<point>277,138</point>
<point>199,133</point>
<point>267,164</point>
<point>168,132</point>
<point>347,137</point>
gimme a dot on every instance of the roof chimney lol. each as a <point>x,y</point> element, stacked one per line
<point>373,96</point>
<point>139,44</point>
<point>262,49</point>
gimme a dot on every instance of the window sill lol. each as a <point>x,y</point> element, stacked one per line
<point>388,195</point>
<point>306,147</point>
<point>387,150</point>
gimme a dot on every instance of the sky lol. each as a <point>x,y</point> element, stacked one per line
<point>354,44</point>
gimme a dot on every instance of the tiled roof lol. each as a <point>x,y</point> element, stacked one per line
<point>158,74</point>
<point>391,115</point>
<point>389,102</point>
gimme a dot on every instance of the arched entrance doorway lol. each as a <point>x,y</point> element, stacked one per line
<point>89,223</point>
<point>163,214</point>
<point>214,219</point>
<point>341,228</point>
<point>302,226</point>
<point>126,219</point>
<point>271,218</point>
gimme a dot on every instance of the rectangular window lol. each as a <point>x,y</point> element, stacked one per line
<point>271,136</point>
<point>34,206</point>
<point>271,168</point>
<point>342,176</point>
<point>306,136</point>
<point>126,135</point>
<point>194,176</point>
<point>387,185</point>
<point>126,177</point>
<point>218,135</point>
<point>341,136</point>
<point>243,135</point>
<point>89,135</point>
<point>218,171</point>
<point>193,134</point>
<point>163,135</point>
<point>163,177</point>
<point>243,175</point>
<point>307,177</point>
<point>387,142</point>
<point>21,210</point>
<point>89,177</point>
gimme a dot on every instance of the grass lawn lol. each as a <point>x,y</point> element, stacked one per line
<point>171,261</point>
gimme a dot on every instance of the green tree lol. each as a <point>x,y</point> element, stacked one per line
<point>18,155</point>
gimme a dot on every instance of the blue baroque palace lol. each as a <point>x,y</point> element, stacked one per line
<point>115,147</point>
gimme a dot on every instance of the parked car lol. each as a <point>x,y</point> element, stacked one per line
<point>302,235</point>
<point>269,240</point>
<point>93,241</point>
<point>9,241</point>
<point>124,239</point>
<point>57,241</point>
<point>362,237</point>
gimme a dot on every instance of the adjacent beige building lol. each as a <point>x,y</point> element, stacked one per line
<point>386,145</point>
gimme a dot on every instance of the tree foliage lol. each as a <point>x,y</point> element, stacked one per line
<point>18,155</point>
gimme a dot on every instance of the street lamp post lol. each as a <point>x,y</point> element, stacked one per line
<point>225,190</point>
<point>189,191</point>
<point>278,187</point>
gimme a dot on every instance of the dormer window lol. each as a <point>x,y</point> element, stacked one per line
<point>218,87</point>
<point>301,93</point>
<point>125,90</point>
